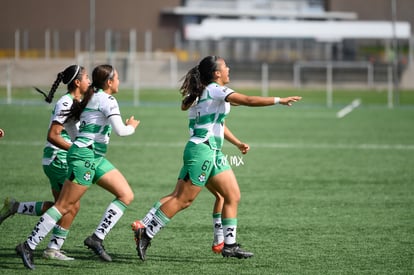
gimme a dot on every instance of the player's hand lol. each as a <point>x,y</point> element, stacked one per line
<point>243,147</point>
<point>289,100</point>
<point>132,121</point>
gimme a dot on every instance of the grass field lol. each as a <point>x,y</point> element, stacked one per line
<point>320,195</point>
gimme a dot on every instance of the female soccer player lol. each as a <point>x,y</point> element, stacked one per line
<point>98,113</point>
<point>208,101</point>
<point>59,139</point>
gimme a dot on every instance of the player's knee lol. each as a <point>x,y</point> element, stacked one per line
<point>186,203</point>
<point>232,198</point>
<point>76,207</point>
<point>237,198</point>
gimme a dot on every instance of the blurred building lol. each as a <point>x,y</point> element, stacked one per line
<point>246,32</point>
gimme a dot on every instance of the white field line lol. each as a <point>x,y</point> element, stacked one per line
<point>364,146</point>
<point>348,108</point>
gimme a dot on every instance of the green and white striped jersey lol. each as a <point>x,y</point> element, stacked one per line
<point>50,151</point>
<point>95,128</point>
<point>206,116</point>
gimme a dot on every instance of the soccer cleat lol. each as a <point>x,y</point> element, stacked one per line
<point>143,242</point>
<point>94,243</point>
<point>26,253</point>
<point>235,251</point>
<point>217,248</point>
<point>9,208</point>
<point>137,224</point>
<point>54,254</point>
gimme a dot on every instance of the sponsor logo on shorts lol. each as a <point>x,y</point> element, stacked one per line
<point>87,176</point>
<point>202,177</point>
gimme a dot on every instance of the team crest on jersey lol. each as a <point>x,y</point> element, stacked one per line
<point>87,176</point>
<point>202,177</point>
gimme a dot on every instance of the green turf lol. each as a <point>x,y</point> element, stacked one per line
<point>320,195</point>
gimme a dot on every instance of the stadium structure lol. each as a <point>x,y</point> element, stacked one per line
<point>360,40</point>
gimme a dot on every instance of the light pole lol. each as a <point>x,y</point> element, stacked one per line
<point>395,49</point>
<point>91,33</point>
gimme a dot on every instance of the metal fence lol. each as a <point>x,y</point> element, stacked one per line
<point>66,44</point>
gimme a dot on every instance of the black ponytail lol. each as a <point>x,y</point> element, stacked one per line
<point>197,79</point>
<point>78,106</point>
<point>67,76</point>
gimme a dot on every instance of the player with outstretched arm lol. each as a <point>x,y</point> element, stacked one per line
<point>208,102</point>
